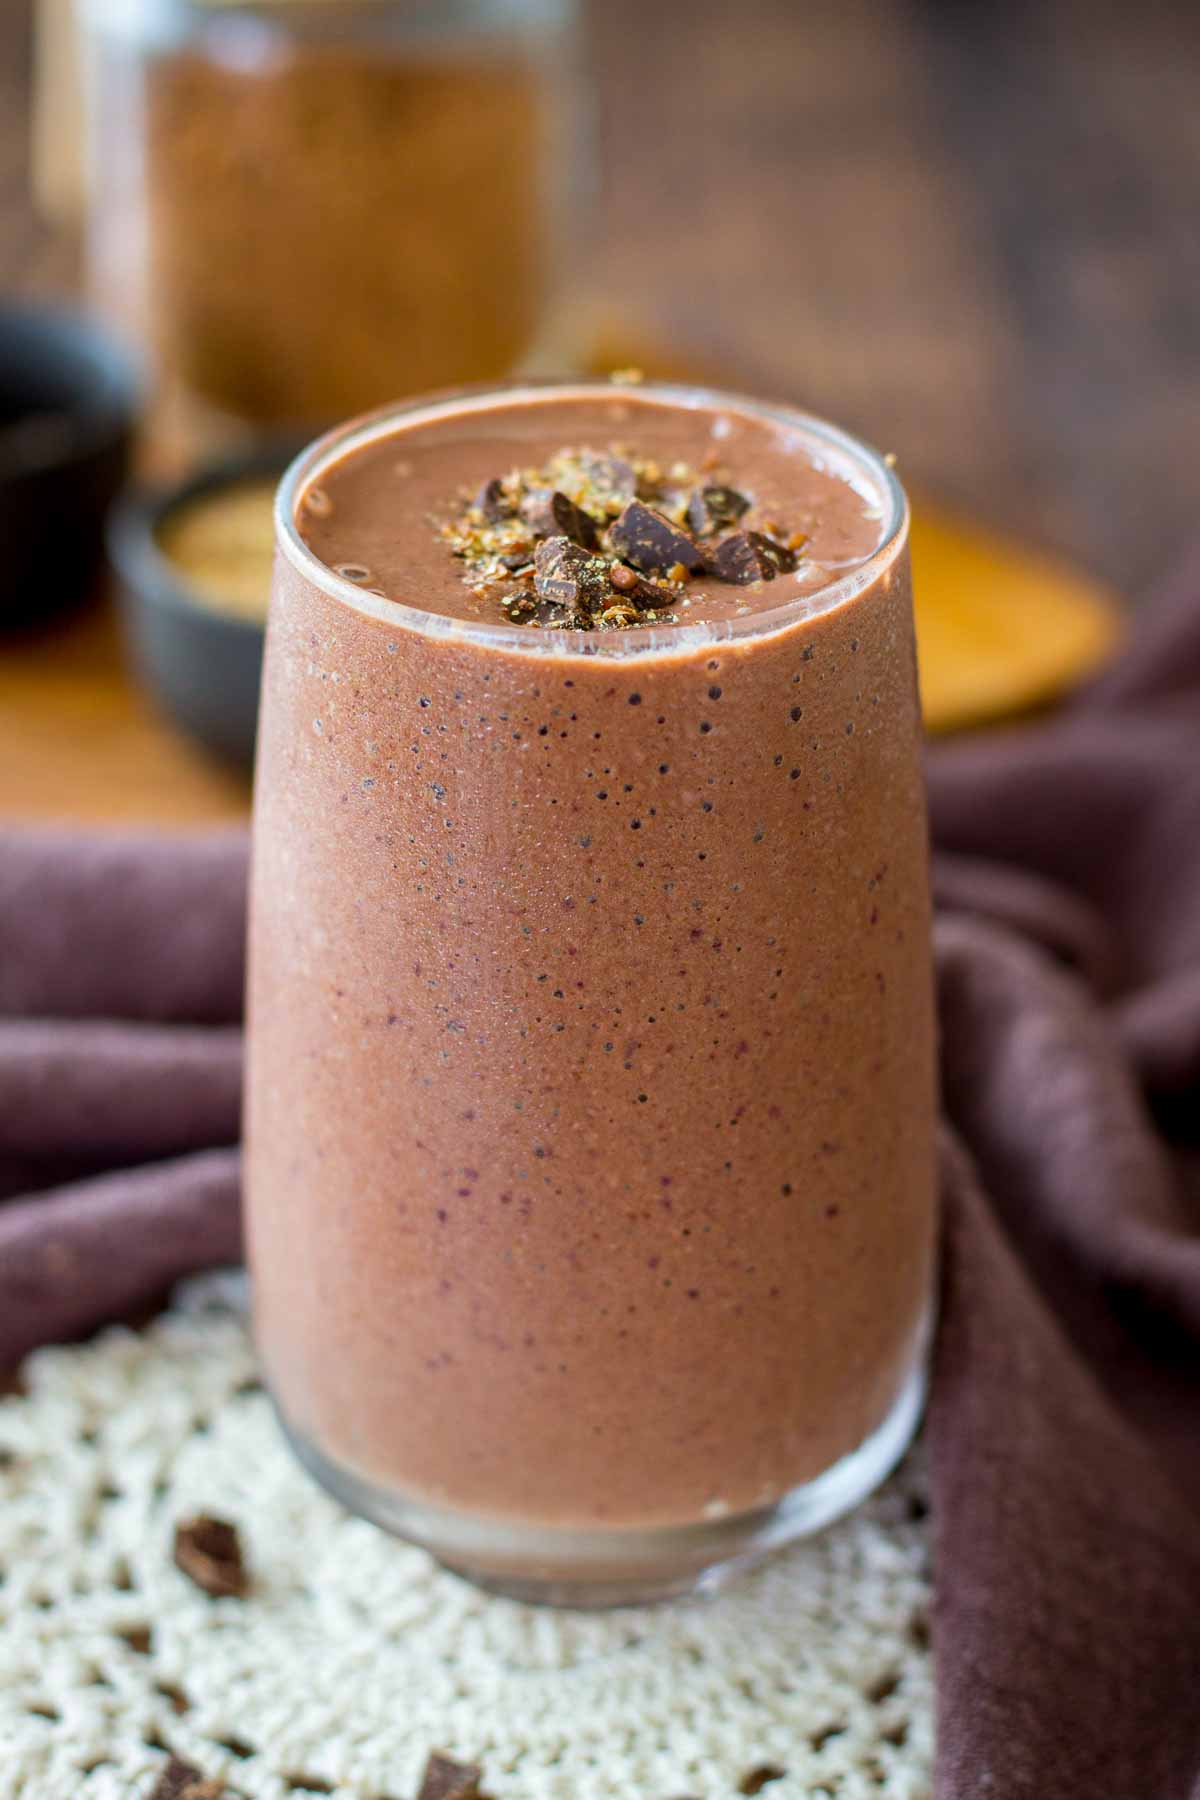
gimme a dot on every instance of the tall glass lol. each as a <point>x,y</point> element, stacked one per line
<point>591,1059</point>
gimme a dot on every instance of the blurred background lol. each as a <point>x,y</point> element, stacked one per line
<point>970,232</point>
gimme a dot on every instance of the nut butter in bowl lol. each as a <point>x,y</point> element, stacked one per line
<point>194,566</point>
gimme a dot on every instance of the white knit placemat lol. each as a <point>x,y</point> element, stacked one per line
<point>354,1656</point>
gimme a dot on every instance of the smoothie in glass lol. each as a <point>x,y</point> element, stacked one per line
<point>590,1128</point>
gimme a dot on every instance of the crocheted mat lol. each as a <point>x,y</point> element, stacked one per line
<point>353,1656</point>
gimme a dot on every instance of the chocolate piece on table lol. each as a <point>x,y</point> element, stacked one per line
<point>570,577</point>
<point>445,1779</point>
<point>755,1780</point>
<point>183,1781</point>
<point>714,507</point>
<point>493,502</point>
<point>209,1552</point>
<point>749,556</point>
<point>517,559</point>
<point>550,514</point>
<point>647,539</point>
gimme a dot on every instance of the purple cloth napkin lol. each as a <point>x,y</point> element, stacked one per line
<point>1065,1412</point>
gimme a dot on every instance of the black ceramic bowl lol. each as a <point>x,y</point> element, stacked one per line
<point>201,662</point>
<point>68,400</point>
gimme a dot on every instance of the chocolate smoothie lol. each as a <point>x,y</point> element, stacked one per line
<point>591,1093</point>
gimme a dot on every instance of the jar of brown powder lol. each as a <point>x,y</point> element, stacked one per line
<point>306,208</point>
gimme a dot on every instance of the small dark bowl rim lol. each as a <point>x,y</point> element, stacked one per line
<point>133,543</point>
<point>103,410</point>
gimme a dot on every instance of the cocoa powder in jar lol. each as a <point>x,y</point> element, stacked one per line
<point>337,225</point>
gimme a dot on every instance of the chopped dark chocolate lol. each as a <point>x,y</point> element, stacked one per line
<point>209,1552</point>
<point>749,556</point>
<point>493,502</point>
<point>599,540</point>
<point>570,577</point>
<point>647,539</point>
<point>175,1696</point>
<point>445,1779</point>
<point>714,507</point>
<point>549,513</point>
<point>637,591</point>
<point>755,1780</point>
<point>611,478</point>
<point>526,609</point>
<point>183,1781</point>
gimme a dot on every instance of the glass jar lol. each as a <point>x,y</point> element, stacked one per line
<point>309,207</point>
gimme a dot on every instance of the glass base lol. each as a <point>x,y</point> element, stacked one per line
<point>551,1566</point>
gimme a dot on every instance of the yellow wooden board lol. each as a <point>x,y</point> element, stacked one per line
<point>1000,628</point>
<point>78,739</point>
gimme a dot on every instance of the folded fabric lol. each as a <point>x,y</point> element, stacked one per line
<point>82,1095</point>
<point>115,1243</point>
<point>146,926</point>
<point>1065,1409</point>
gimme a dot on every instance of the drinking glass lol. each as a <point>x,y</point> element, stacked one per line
<point>590,1107</point>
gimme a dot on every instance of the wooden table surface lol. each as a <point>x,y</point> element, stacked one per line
<point>970,231</point>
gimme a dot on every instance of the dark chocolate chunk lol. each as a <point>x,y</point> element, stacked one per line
<point>713,508</point>
<point>175,1696</point>
<point>611,478</point>
<point>518,559</point>
<point>182,1781</point>
<point>493,502</point>
<point>209,1552</point>
<point>520,608</point>
<point>550,514</point>
<point>638,591</point>
<point>749,556</point>
<point>755,1780</point>
<point>570,577</point>
<point>649,541</point>
<point>445,1779</point>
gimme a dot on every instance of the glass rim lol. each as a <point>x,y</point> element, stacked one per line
<point>639,640</point>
